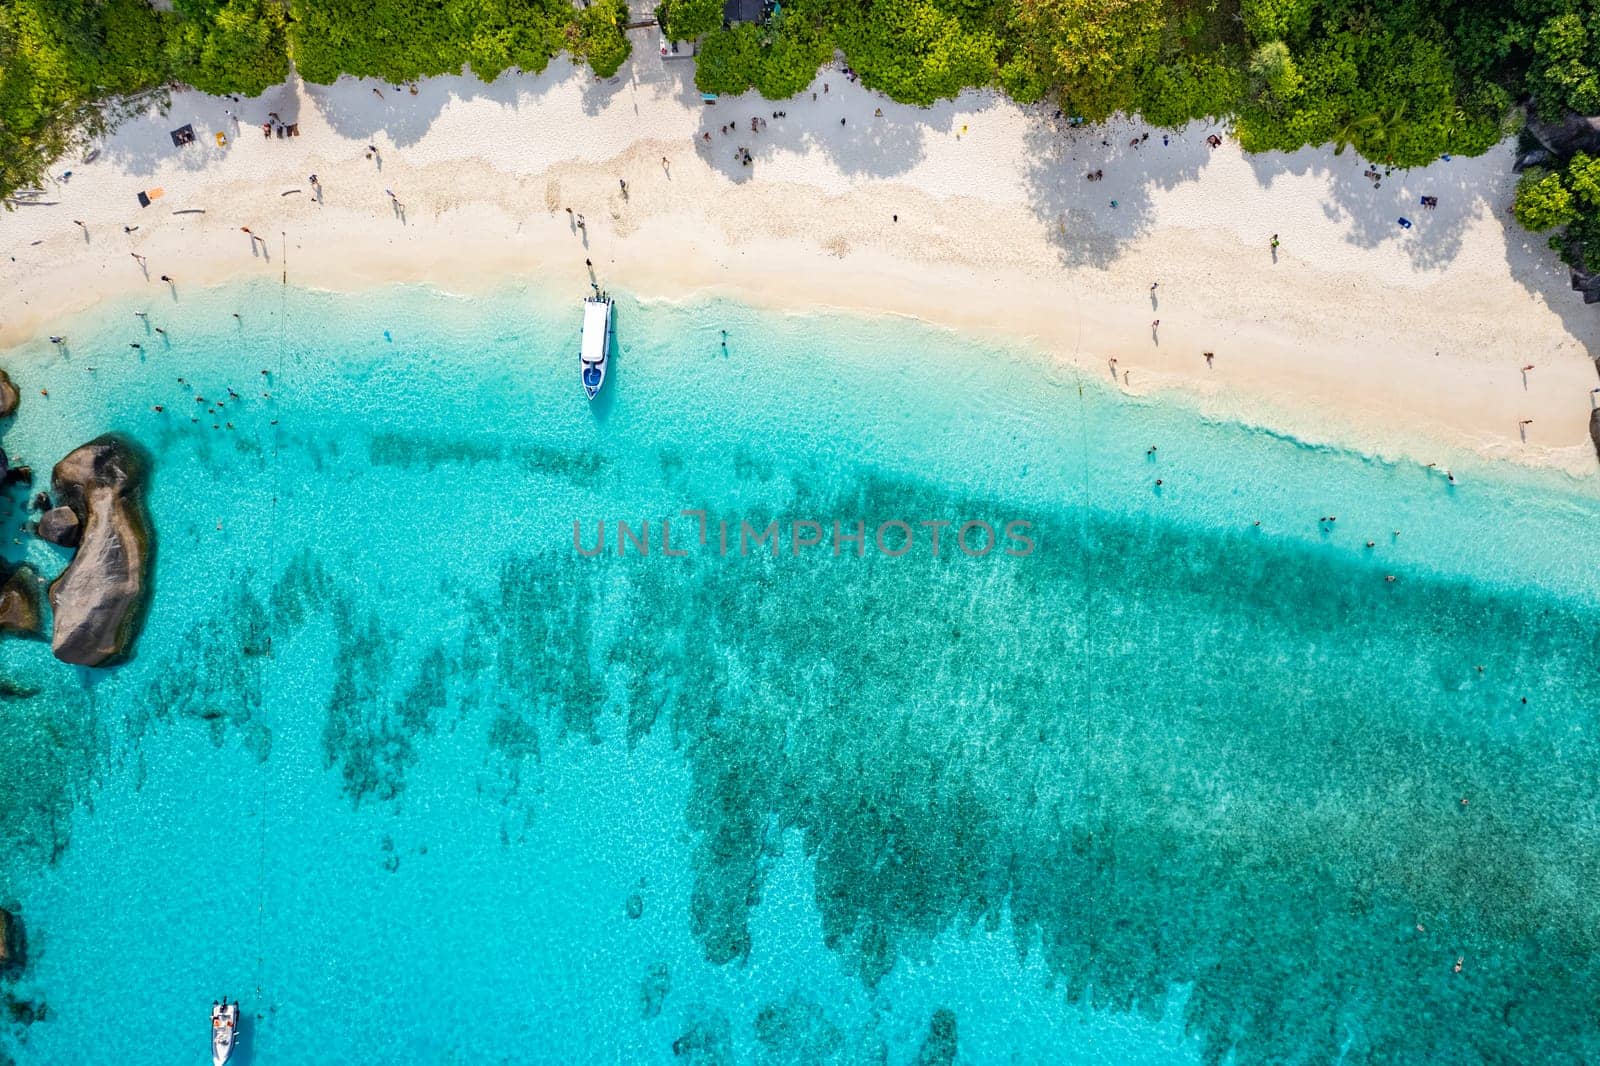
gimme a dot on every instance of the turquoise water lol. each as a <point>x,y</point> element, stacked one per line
<point>418,783</point>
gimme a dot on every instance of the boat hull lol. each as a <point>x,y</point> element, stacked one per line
<point>595,352</point>
<point>224,1031</point>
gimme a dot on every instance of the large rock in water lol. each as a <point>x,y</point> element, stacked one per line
<point>99,600</point>
<point>9,396</point>
<point>19,602</point>
<point>60,525</point>
<point>1594,429</point>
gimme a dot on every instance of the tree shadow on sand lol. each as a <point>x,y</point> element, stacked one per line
<point>1078,213</point>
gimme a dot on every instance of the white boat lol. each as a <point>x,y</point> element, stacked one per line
<point>596,350</point>
<point>224,1030</point>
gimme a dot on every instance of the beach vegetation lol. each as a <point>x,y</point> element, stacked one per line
<point>1399,84</point>
<point>598,35</point>
<point>684,20</point>
<point>778,60</point>
<point>1543,201</point>
<point>915,51</point>
<point>1565,74</point>
<point>69,69</point>
<point>229,46</point>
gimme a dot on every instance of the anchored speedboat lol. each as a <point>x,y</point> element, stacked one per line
<point>224,1030</point>
<point>596,350</point>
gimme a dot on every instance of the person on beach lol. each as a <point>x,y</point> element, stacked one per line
<point>80,225</point>
<point>1274,242</point>
<point>1209,356</point>
<point>580,222</point>
<point>168,279</point>
<point>1527,368</point>
<point>57,340</point>
<point>161,331</point>
<point>624,185</point>
<point>137,257</point>
<point>129,229</point>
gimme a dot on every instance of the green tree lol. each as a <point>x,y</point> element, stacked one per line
<point>684,20</point>
<point>1543,202</point>
<point>1563,76</point>
<point>779,59</point>
<point>1093,54</point>
<point>914,50</point>
<point>601,37</point>
<point>1273,73</point>
<point>224,46</point>
<point>1274,20</point>
<point>1583,180</point>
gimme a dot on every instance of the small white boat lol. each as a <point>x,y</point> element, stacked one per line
<point>596,350</point>
<point>224,1030</point>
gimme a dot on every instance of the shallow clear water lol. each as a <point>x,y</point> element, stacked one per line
<point>418,783</point>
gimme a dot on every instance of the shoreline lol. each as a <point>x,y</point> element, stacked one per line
<point>1397,344</point>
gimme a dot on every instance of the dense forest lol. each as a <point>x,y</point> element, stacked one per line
<point>1400,82</point>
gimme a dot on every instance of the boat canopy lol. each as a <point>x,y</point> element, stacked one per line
<point>596,321</point>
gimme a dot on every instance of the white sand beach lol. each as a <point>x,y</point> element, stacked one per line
<point>1399,342</point>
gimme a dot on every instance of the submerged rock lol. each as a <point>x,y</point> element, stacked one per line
<point>19,602</point>
<point>653,990</point>
<point>10,396</point>
<point>11,945</point>
<point>60,525</point>
<point>939,1046</point>
<point>100,597</point>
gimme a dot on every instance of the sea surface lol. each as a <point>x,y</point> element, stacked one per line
<point>419,781</point>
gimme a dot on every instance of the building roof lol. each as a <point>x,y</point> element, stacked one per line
<point>741,10</point>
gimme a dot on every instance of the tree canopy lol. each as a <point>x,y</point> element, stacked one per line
<point>1399,82</point>
<point>66,64</point>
